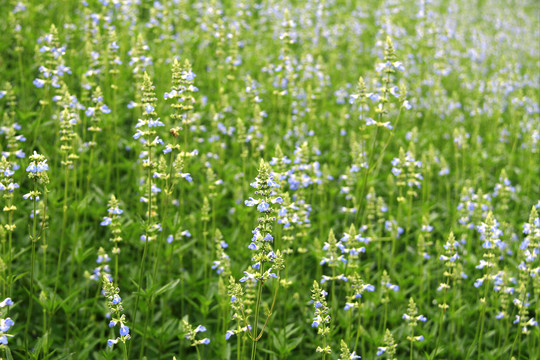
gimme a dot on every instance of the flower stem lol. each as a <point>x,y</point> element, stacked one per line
<point>256,324</point>
<point>33,238</point>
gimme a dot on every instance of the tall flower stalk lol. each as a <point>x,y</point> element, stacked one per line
<point>8,186</point>
<point>5,326</point>
<point>116,311</point>
<point>412,318</point>
<point>190,334</point>
<point>322,318</point>
<point>265,262</point>
<point>113,221</point>
<point>37,173</point>
<point>490,235</point>
<point>146,133</point>
<point>450,274</point>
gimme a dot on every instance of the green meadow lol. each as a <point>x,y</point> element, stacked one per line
<point>268,179</point>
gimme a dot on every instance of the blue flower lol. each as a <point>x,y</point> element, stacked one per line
<point>112,342</point>
<point>138,134</point>
<point>155,123</point>
<point>399,66</point>
<point>116,299</point>
<point>6,302</point>
<point>374,97</point>
<point>186,176</point>
<point>90,111</point>
<point>7,324</point>
<point>186,233</point>
<point>392,286</point>
<point>112,323</point>
<point>149,108</point>
<point>116,211</point>
<point>263,206</point>
<point>124,330</point>
<point>105,109</point>
<point>188,76</point>
<point>37,168</point>
<point>229,334</point>
<point>478,283</point>
<point>38,83</point>
<point>247,276</point>
<point>278,200</point>
<point>200,328</point>
<point>251,202</point>
<point>42,166</point>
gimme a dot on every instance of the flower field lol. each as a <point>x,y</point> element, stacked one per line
<point>264,179</point>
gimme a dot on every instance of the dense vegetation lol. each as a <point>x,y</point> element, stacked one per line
<point>269,179</point>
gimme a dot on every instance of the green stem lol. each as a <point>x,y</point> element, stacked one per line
<point>125,352</point>
<point>441,320</point>
<point>205,241</point>
<point>411,349</point>
<point>33,256</point>
<point>358,327</point>
<point>409,215</point>
<point>116,267</point>
<point>480,327</point>
<point>517,339</point>
<point>238,342</point>
<point>141,265</point>
<point>368,171</point>
<point>256,324</point>
<point>385,315</point>
<point>482,324</point>
<point>334,303</point>
<point>9,257</point>
<point>62,236</point>
<point>145,250</point>
<point>146,321</point>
